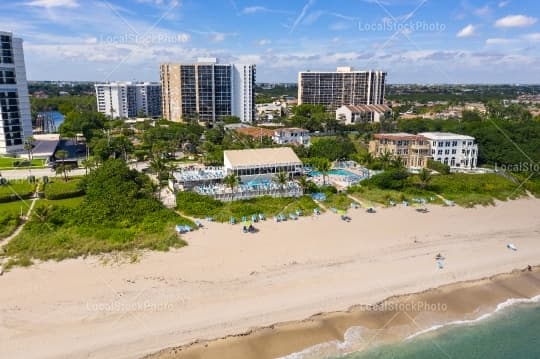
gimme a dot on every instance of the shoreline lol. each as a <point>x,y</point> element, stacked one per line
<point>225,282</point>
<point>289,335</point>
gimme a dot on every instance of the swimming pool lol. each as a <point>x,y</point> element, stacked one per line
<point>339,172</point>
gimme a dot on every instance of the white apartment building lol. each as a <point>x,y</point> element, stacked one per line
<point>291,136</point>
<point>243,94</point>
<point>457,151</point>
<point>15,116</point>
<point>129,99</point>
<point>351,114</point>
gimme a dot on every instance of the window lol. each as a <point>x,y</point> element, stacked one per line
<point>439,152</point>
<point>454,151</point>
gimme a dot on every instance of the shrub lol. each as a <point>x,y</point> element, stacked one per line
<point>439,167</point>
<point>194,204</point>
<point>62,190</point>
<point>391,179</point>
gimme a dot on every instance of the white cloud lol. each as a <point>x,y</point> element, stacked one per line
<point>54,3</point>
<point>253,9</point>
<point>532,37</point>
<point>264,42</point>
<point>218,36</point>
<point>467,31</point>
<point>503,3</point>
<point>482,11</point>
<point>515,21</point>
<point>339,26</point>
<point>499,41</point>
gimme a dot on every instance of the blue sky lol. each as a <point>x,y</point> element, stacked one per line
<point>415,41</point>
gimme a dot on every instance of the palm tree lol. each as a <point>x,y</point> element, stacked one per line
<point>304,183</point>
<point>29,147</point>
<point>158,166</point>
<point>424,177</point>
<point>367,159</point>
<point>397,163</point>
<point>281,179</point>
<point>62,168</point>
<point>323,166</point>
<point>43,213</point>
<point>231,181</point>
<point>87,164</point>
<point>385,158</point>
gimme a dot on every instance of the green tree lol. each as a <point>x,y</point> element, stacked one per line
<point>281,179</point>
<point>424,177</point>
<point>62,168</point>
<point>232,182</point>
<point>29,145</point>
<point>322,165</point>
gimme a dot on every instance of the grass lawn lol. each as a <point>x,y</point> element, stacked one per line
<point>9,216</point>
<point>60,237</point>
<point>6,163</point>
<point>338,201</point>
<point>58,188</point>
<point>16,189</point>
<point>193,204</point>
<point>466,190</point>
<point>477,189</point>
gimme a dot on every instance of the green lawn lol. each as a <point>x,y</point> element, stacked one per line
<point>200,206</point>
<point>59,189</point>
<point>9,216</point>
<point>338,201</point>
<point>467,190</point>
<point>6,163</point>
<point>15,190</point>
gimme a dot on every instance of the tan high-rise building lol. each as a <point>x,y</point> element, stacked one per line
<point>342,87</point>
<point>207,91</point>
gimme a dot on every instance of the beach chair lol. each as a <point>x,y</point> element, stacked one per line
<point>293,216</point>
<point>277,218</point>
<point>198,223</point>
<point>244,218</point>
<point>299,213</point>
<point>282,217</point>
<point>316,211</point>
<point>392,203</point>
<point>406,203</point>
<point>370,210</point>
<point>232,220</point>
<point>511,246</point>
<point>254,218</point>
<point>261,217</point>
<point>354,205</point>
<point>440,265</point>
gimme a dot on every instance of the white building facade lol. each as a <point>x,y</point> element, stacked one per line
<point>129,99</point>
<point>243,94</point>
<point>352,114</point>
<point>291,136</point>
<point>15,116</point>
<point>457,151</point>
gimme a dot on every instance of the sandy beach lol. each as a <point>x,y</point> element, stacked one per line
<point>226,282</point>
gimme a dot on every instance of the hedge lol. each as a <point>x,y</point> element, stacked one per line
<point>61,190</point>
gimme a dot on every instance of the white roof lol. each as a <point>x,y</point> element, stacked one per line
<point>261,157</point>
<point>445,136</point>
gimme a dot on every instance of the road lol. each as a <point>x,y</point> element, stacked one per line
<point>40,172</point>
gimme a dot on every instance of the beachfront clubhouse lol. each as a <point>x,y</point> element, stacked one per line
<point>257,171</point>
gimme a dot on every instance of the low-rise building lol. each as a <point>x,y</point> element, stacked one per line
<point>291,136</point>
<point>352,114</point>
<point>457,151</point>
<point>414,150</point>
<point>262,163</point>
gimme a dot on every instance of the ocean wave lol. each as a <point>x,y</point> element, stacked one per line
<point>501,306</point>
<point>351,339</point>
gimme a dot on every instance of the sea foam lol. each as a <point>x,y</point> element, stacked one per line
<point>501,306</point>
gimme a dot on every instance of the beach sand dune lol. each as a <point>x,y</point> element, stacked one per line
<point>226,282</point>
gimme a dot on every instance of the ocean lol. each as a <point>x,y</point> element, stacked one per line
<point>510,333</point>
